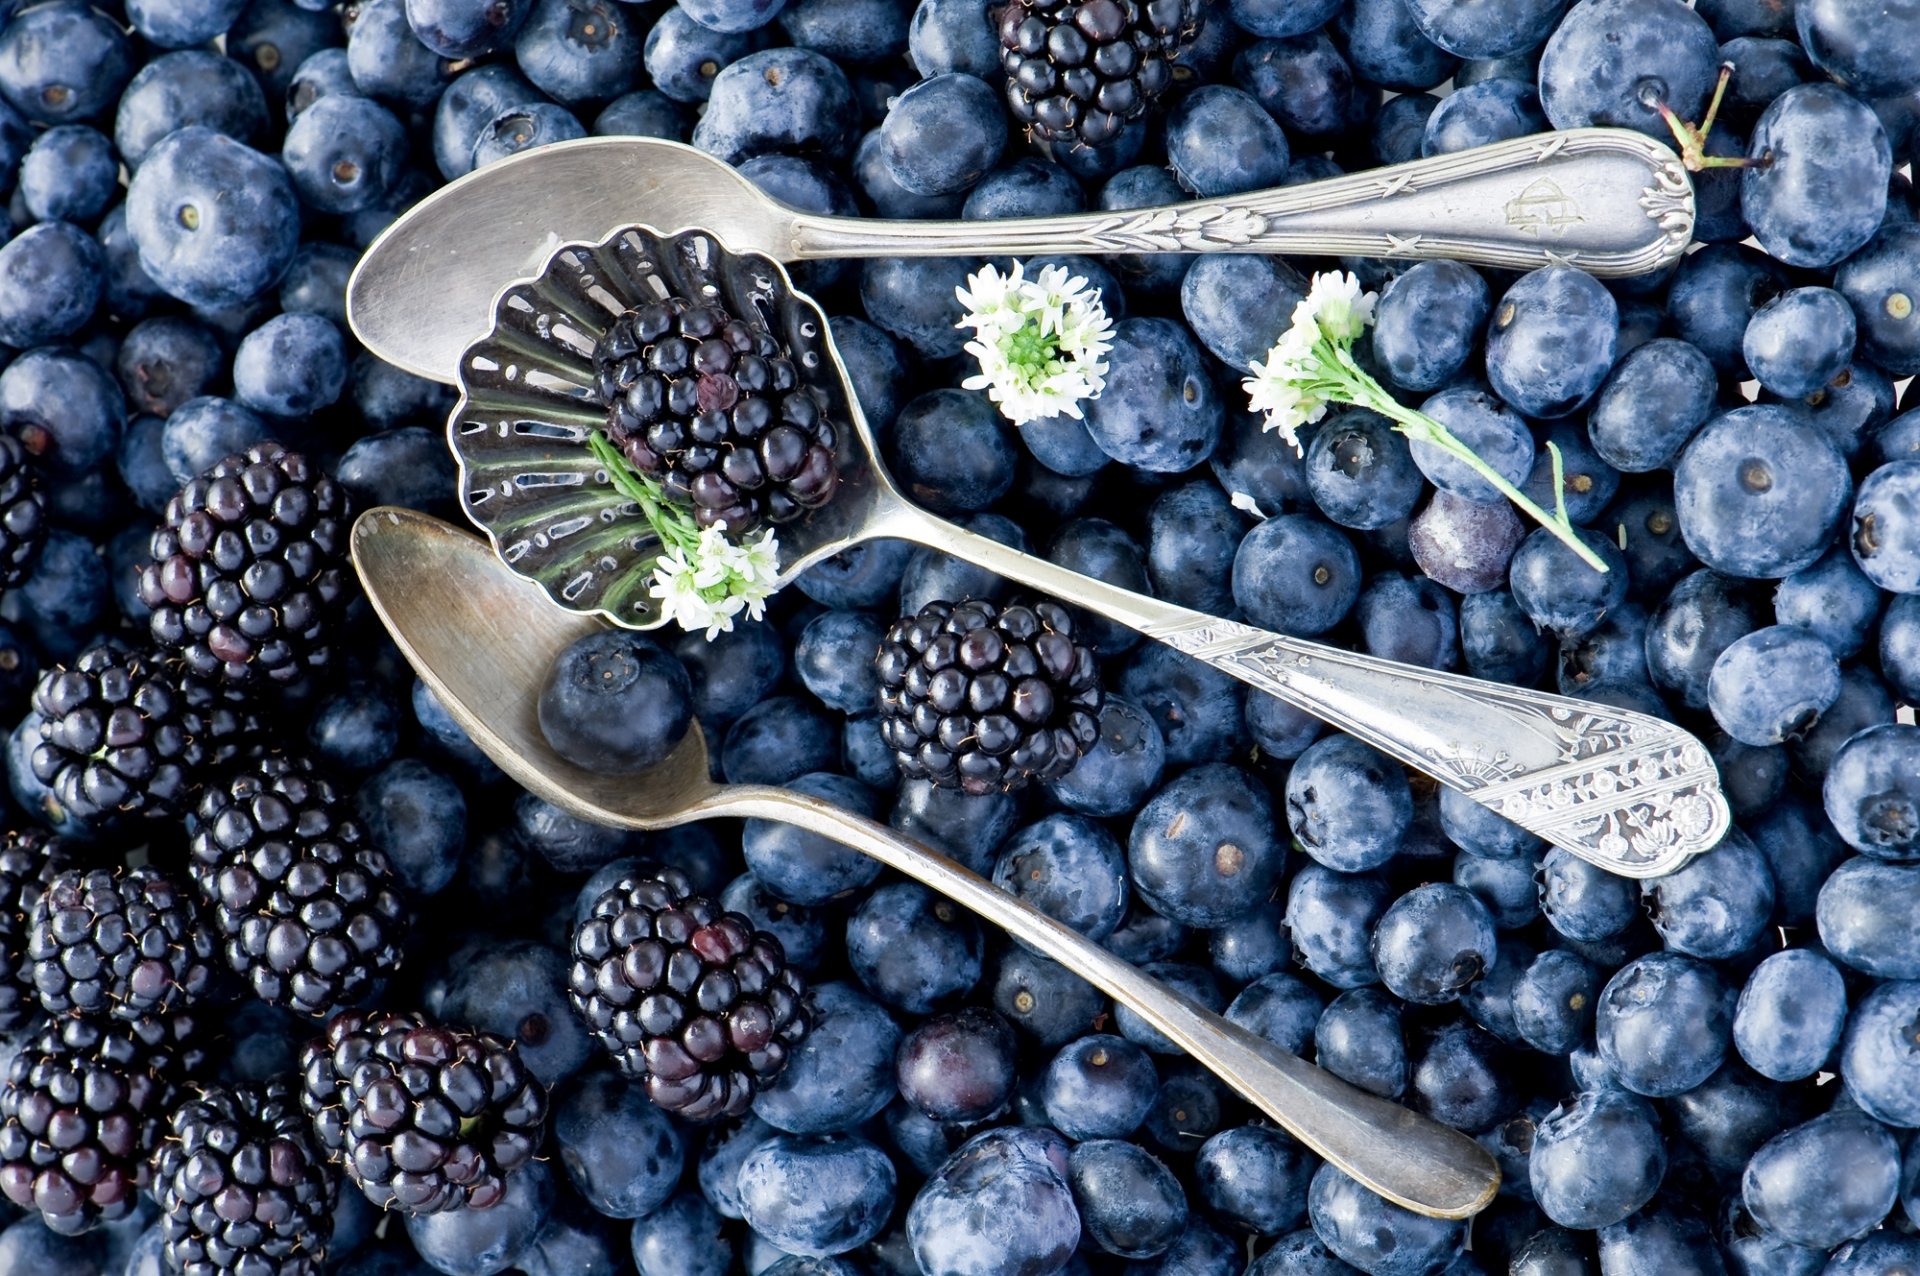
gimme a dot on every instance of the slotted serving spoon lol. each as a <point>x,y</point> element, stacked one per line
<point>1628,792</point>
<point>1610,201</point>
<point>483,639</point>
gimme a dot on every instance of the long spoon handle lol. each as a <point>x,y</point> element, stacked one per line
<point>1610,201</point>
<point>1407,1158</point>
<point>1626,791</point>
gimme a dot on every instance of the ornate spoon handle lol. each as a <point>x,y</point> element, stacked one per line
<point>1610,201</point>
<point>1628,792</point>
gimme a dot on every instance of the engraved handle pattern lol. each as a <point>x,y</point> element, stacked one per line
<point>1610,201</point>
<point>1628,792</point>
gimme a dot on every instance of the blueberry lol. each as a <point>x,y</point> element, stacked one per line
<point>466,28</point>
<point>345,153</point>
<point>1818,187</point>
<point>51,277</point>
<point>913,299</point>
<point>1659,1241</point>
<point>1883,1251</point>
<point>1203,851</point>
<point>959,1066</point>
<point>1348,805</point>
<point>1400,128</point>
<point>1160,410</point>
<point>66,596</point>
<point>217,223</point>
<point>1479,830</point>
<point>1553,1001</point>
<point>934,576</point>
<point>943,134</point>
<point>1759,492</point>
<point>271,38</point>
<point>388,60</point>
<point>1433,942</point>
<point>1886,535</point>
<point>947,36</point>
<point>1859,911</point>
<point>841,1073</point>
<point>1000,1205</point>
<point>1071,869</point>
<point>419,818</point>
<point>1464,544</point>
<point>1559,591</point>
<point>684,1237</point>
<point>1882,282</point>
<point>1800,341</point>
<point>817,1195</point>
<point>1384,43</point>
<point>1482,114</point>
<point>1878,1059</point>
<point>620,1152</point>
<point>1615,62</point>
<point>951,451</point>
<point>70,173</point>
<point>1099,1087</point>
<point>642,113</point>
<point>358,730</point>
<point>969,827</point>
<point>203,430</point>
<point>479,1242</point>
<point>1107,552</point>
<point>1239,305</point>
<point>1790,1015</point>
<point>1588,484</point>
<point>778,740</point>
<point>1487,28</point>
<point>520,128</point>
<point>1192,534</point>
<point>1221,142</point>
<point>1834,600</point>
<point>912,949</point>
<point>717,1169</point>
<point>1773,684</point>
<point>803,867</point>
<point>1663,1023</point>
<point>1551,340</point>
<point>1130,1204</point>
<point>61,63</point>
<point>1373,1233</point>
<point>1300,78</point>
<point>1360,471</point>
<point>1796,1186</point>
<point>1428,322</point>
<point>615,703</point>
<point>1296,574</point>
<point>779,99</point>
<point>1870,51</point>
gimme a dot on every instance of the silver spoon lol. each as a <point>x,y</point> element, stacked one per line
<point>1610,201</point>
<point>483,639</point>
<point>1628,792</point>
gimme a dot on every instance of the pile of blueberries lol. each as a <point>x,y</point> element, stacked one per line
<point>1715,1072</point>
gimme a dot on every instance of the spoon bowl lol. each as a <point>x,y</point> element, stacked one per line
<point>483,639</point>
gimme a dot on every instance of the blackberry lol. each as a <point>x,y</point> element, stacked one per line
<point>28,860</point>
<point>249,573</point>
<point>23,514</point>
<point>79,1116</point>
<point>1079,71</point>
<point>423,1118</point>
<point>984,700</point>
<point>712,407</point>
<point>687,997</point>
<point>307,912</point>
<point>243,1189</point>
<point>123,945</point>
<point>127,733</point>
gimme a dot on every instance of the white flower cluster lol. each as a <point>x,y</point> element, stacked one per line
<point>707,586</point>
<point>1040,342</point>
<point>1288,386</point>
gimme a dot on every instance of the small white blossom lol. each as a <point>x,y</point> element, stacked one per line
<point>1040,342</point>
<point>1336,302</point>
<point>1286,385</point>
<point>707,586</point>
<point>1242,501</point>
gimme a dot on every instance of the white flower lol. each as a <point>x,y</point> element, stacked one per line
<point>1336,302</point>
<point>1242,501</point>
<point>1280,388</point>
<point>707,586</point>
<point>1040,342</point>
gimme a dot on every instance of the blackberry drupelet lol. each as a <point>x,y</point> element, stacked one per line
<point>688,998</point>
<point>80,1114</point>
<point>243,1189</point>
<point>128,733</point>
<point>28,860</point>
<point>1079,71</point>
<point>308,913</point>
<point>984,700</point>
<point>123,945</point>
<point>23,514</point>
<point>712,407</point>
<point>249,573</point>
<point>423,1118</point>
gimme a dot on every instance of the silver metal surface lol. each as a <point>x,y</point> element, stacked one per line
<point>483,639</point>
<point>1626,791</point>
<point>1610,201</point>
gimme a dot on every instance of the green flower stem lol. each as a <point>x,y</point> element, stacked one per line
<point>673,527</point>
<point>1353,384</point>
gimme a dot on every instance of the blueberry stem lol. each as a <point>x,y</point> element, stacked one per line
<point>674,528</point>
<point>1358,387</point>
<point>1693,138</point>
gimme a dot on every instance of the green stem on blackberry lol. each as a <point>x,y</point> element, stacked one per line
<point>1355,385</point>
<point>673,527</point>
<point>1692,138</point>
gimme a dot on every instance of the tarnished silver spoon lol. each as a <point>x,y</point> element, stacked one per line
<point>1629,792</point>
<point>1610,201</point>
<point>483,639</point>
